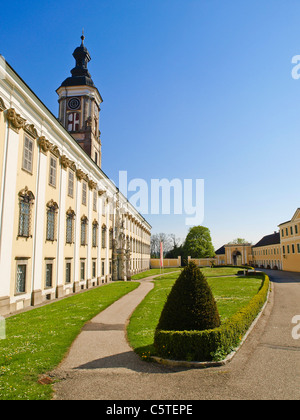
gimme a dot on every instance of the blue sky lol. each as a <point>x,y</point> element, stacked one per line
<point>192,89</point>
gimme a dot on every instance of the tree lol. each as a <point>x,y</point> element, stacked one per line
<point>177,249</point>
<point>198,243</point>
<point>238,241</point>
<point>155,241</point>
<point>190,304</point>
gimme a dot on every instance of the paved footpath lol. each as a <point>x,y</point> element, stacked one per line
<point>102,366</point>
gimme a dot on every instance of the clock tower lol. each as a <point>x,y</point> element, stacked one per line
<point>79,105</point>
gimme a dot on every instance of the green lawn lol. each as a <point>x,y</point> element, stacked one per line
<point>220,271</point>
<point>153,272</point>
<point>37,340</point>
<point>231,294</point>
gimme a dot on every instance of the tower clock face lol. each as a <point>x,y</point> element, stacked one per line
<point>74,103</point>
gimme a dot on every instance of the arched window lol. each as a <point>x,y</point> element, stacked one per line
<point>94,233</point>
<point>111,234</point>
<point>51,220</point>
<point>70,226</point>
<point>83,232</point>
<point>26,199</point>
<point>103,233</point>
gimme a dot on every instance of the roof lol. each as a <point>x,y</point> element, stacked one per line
<point>221,250</point>
<point>55,120</point>
<point>80,74</point>
<point>273,239</point>
<point>289,221</point>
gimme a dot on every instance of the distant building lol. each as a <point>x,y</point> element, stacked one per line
<point>64,226</point>
<point>290,243</point>
<point>267,252</point>
<point>279,250</point>
<point>233,254</point>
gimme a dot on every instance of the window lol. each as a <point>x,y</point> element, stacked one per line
<point>96,158</point>
<point>286,231</point>
<point>94,233</point>
<point>24,220</point>
<point>84,192</point>
<point>293,248</point>
<point>71,184</point>
<point>83,232</point>
<point>103,268</point>
<point>82,270</point>
<point>288,249</point>
<point>298,248</point>
<point>103,236</point>
<point>52,171</point>
<point>282,233</point>
<point>110,239</point>
<point>68,272</point>
<point>25,201</point>
<point>94,268</point>
<point>73,121</point>
<point>21,278</point>
<point>95,200</point>
<point>283,249</point>
<point>291,230</point>
<point>48,282</point>
<point>70,226</point>
<point>51,220</point>
<point>111,212</point>
<point>50,225</point>
<point>296,229</point>
<point>27,154</point>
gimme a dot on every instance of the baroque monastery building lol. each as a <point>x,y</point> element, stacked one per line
<point>64,226</point>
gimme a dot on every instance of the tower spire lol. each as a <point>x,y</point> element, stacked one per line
<point>79,104</point>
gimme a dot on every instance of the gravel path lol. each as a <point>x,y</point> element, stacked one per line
<point>102,366</point>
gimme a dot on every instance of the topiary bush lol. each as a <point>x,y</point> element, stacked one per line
<point>213,344</point>
<point>190,304</point>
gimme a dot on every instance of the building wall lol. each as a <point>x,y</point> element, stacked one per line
<point>267,256</point>
<point>290,243</point>
<point>51,267</point>
<point>237,254</point>
<point>167,262</point>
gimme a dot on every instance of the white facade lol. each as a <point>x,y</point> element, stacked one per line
<point>65,243</point>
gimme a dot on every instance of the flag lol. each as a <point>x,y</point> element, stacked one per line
<point>161,255</point>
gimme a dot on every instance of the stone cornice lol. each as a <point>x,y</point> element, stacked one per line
<point>55,151</point>
<point>44,144</point>
<point>2,105</point>
<point>52,204</point>
<point>80,174</point>
<point>92,184</point>
<point>70,212</point>
<point>31,130</point>
<point>15,121</point>
<point>65,162</point>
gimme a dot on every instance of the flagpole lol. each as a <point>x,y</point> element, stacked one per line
<point>161,257</point>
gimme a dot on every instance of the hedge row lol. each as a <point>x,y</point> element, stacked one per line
<point>212,344</point>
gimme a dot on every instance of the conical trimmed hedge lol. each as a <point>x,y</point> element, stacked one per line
<point>190,304</point>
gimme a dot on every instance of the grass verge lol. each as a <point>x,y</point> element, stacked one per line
<point>153,272</point>
<point>37,340</point>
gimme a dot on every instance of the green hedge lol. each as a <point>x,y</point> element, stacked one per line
<point>212,344</point>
